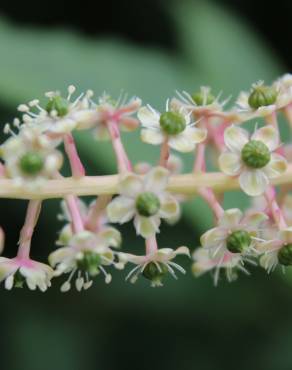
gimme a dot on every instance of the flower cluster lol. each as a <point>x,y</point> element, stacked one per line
<point>251,159</point>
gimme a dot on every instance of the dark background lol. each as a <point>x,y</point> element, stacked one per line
<point>187,325</point>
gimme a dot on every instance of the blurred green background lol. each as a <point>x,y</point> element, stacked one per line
<point>188,324</point>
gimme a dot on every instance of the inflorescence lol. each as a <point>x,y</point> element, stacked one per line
<point>88,245</point>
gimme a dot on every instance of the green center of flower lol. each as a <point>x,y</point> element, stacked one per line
<point>255,154</point>
<point>238,241</point>
<point>201,98</point>
<point>147,204</point>
<point>90,263</point>
<point>262,96</point>
<point>59,104</point>
<point>31,163</point>
<point>285,255</point>
<point>172,123</point>
<point>155,271</point>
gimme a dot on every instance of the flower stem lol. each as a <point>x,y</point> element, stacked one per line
<point>123,162</point>
<point>151,245</point>
<point>96,211</point>
<point>32,215</point>
<point>164,154</point>
<point>71,151</point>
<point>277,214</point>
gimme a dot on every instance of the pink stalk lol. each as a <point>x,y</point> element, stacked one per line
<point>77,222</point>
<point>31,218</point>
<point>164,153</point>
<point>151,245</point>
<point>277,214</point>
<point>199,165</point>
<point>71,151</point>
<point>123,162</point>
<point>96,211</point>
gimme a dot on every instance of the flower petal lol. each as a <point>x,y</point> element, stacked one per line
<point>146,226</point>
<point>148,117</point>
<point>156,179</point>
<point>254,219</point>
<point>169,207</point>
<point>276,167</point>
<point>182,143</point>
<point>197,135</point>
<point>231,218</point>
<point>152,136</point>
<point>60,255</point>
<point>230,163</point>
<point>111,236</point>
<point>121,209</point>
<point>213,237</point>
<point>268,135</point>
<point>130,185</point>
<point>253,182</point>
<point>235,138</point>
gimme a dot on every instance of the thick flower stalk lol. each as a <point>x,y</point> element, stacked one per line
<point>248,157</point>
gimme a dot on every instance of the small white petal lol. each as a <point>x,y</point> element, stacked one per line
<point>156,179</point>
<point>268,135</point>
<point>146,226</point>
<point>152,136</point>
<point>276,167</point>
<point>231,218</point>
<point>286,235</point>
<point>148,117</point>
<point>213,237</point>
<point>121,209</point>
<point>197,135</point>
<point>169,207</point>
<point>253,182</point>
<point>9,281</point>
<point>235,138</point>
<point>182,143</point>
<point>230,163</point>
<point>130,185</point>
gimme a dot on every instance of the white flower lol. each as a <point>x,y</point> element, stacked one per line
<point>30,158</point>
<point>154,266</point>
<point>235,233</point>
<point>202,103</point>
<point>119,110</point>
<point>174,125</point>
<point>61,115</point>
<point>145,200</point>
<point>16,271</point>
<point>229,262</point>
<point>253,159</point>
<point>277,251</point>
<point>86,253</point>
<point>262,100</point>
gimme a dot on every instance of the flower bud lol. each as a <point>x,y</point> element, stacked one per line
<point>172,123</point>
<point>31,163</point>
<point>255,154</point>
<point>261,96</point>
<point>155,271</point>
<point>59,104</point>
<point>147,204</point>
<point>285,255</point>
<point>89,262</point>
<point>238,241</point>
<point>203,98</point>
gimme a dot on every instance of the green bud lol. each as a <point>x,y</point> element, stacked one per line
<point>285,255</point>
<point>153,273</point>
<point>59,104</point>
<point>255,154</point>
<point>238,241</point>
<point>262,96</point>
<point>203,98</point>
<point>147,204</point>
<point>172,123</point>
<point>89,263</point>
<point>31,163</point>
